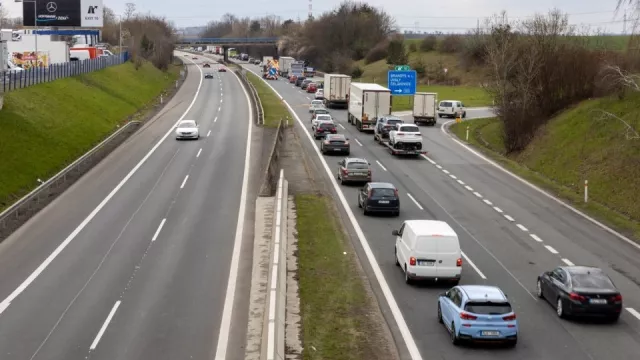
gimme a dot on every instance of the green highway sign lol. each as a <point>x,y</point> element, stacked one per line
<point>403,68</point>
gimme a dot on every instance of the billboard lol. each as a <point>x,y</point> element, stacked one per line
<point>27,59</point>
<point>63,13</point>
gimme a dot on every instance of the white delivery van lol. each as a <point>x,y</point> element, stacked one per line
<point>428,250</point>
<point>451,108</point>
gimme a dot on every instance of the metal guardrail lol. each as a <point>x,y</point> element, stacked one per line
<point>18,213</point>
<point>271,172</point>
<point>258,110</point>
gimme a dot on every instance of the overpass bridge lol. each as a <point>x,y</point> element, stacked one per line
<point>227,43</point>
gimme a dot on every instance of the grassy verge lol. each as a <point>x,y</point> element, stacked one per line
<point>45,127</point>
<point>274,109</point>
<point>335,320</point>
<point>556,161</point>
<point>469,95</point>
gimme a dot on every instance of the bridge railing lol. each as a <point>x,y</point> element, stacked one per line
<point>228,41</point>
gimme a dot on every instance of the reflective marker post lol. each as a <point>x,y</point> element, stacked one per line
<point>586,190</point>
<point>467,133</point>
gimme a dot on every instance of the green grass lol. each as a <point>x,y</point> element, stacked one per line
<point>608,42</point>
<point>469,95</point>
<point>572,148</point>
<point>45,127</point>
<point>334,302</point>
<point>274,109</point>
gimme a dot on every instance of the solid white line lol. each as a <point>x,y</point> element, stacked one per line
<point>466,258</point>
<point>460,182</point>
<point>509,218</point>
<point>634,312</point>
<point>445,171</point>
<point>552,250</point>
<point>184,182</point>
<point>412,348</point>
<point>218,108</point>
<point>382,166</point>
<point>535,237</point>
<point>428,159</point>
<point>538,189</point>
<point>488,202</point>
<point>415,201</point>
<point>477,194</point>
<point>568,262</point>
<point>22,287</point>
<point>468,187</point>
<point>155,236</point>
<point>208,133</point>
<point>225,322</point>
<point>215,119</point>
<point>521,227</point>
<point>439,167</point>
<point>341,126</point>
<point>497,209</point>
<point>104,326</point>
<point>359,143</point>
<point>452,176</point>
<point>199,151</point>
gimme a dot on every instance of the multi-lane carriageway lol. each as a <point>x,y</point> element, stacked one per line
<point>509,233</point>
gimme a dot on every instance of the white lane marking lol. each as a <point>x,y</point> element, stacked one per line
<point>341,126</point>
<point>452,176</point>
<point>34,275</point>
<point>218,108</point>
<point>439,167</point>
<point>155,236</point>
<point>198,154</point>
<point>568,262</point>
<point>382,166</point>
<point>460,182</point>
<point>633,312</point>
<point>445,171</point>
<point>521,227</point>
<point>215,119</point>
<point>509,218</point>
<point>208,133</point>
<point>225,322</point>
<point>359,143</point>
<point>428,159</point>
<point>466,258</point>
<point>497,209</point>
<point>184,182</point>
<point>412,348</point>
<point>535,237</point>
<point>468,187</point>
<point>477,194</point>
<point>551,250</point>
<point>415,201</point>
<point>488,202</point>
<point>104,326</point>
<point>538,189</point>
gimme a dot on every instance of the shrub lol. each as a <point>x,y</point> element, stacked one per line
<point>356,72</point>
<point>377,53</point>
<point>450,44</point>
<point>413,47</point>
<point>395,51</point>
<point>429,43</point>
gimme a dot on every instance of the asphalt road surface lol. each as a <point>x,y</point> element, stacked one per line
<point>509,234</point>
<point>146,276</point>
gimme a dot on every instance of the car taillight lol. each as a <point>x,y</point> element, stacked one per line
<point>399,134</point>
<point>395,191</point>
<point>418,134</point>
<point>459,262</point>
<point>333,130</point>
<point>576,297</point>
<point>467,316</point>
<point>509,317</point>
<point>326,142</point>
<point>412,261</point>
<point>617,298</point>
<point>346,143</point>
<point>345,172</point>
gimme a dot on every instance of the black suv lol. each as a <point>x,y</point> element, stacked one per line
<point>379,197</point>
<point>300,80</point>
<point>384,125</point>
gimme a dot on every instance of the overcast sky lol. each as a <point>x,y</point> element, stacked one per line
<point>421,15</point>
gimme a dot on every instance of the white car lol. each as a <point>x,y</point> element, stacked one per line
<point>406,134</point>
<point>320,94</point>
<point>315,105</point>
<point>321,118</point>
<point>451,108</point>
<point>187,129</point>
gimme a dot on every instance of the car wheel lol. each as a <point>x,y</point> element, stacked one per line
<point>464,114</point>
<point>455,340</point>
<point>440,314</point>
<point>512,343</point>
<point>406,276</point>
<point>455,282</point>
<point>614,319</point>
<point>359,203</point>
<point>539,289</point>
<point>560,308</point>
<point>365,211</point>
<point>342,181</point>
<point>396,213</point>
<point>395,256</point>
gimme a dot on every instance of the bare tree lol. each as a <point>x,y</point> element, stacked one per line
<point>129,11</point>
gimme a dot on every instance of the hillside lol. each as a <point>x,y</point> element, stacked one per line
<point>45,127</point>
<point>578,146</point>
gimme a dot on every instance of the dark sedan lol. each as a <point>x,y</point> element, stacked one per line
<point>580,291</point>
<point>386,124</point>
<point>299,80</point>
<point>379,197</point>
<point>324,129</point>
<point>335,143</point>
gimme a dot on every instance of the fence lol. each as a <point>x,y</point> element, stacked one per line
<point>13,80</point>
<point>257,109</point>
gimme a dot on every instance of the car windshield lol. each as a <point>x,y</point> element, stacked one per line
<point>488,308</point>
<point>338,137</point>
<point>384,192</point>
<point>445,104</point>
<point>394,121</point>
<point>593,280</point>
<point>321,111</point>
<point>410,129</point>
<point>187,124</point>
<point>316,102</point>
<point>324,117</point>
<point>357,165</point>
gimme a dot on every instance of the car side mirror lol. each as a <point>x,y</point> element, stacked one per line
<point>347,138</point>
<point>444,294</point>
<point>395,233</point>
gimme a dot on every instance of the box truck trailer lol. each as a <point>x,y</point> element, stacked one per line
<point>336,90</point>
<point>367,103</point>
<point>424,108</point>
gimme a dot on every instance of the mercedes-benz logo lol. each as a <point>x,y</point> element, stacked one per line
<point>52,7</point>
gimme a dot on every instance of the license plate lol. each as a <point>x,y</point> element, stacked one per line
<point>597,301</point>
<point>383,201</point>
<point>490,333</point>
<point>426,263</point>
<point>336,149</point>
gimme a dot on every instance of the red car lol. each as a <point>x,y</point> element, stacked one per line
<point>312,88</point>
<point>222,70</point>
<point>292,79</point>
<point>206,65</point>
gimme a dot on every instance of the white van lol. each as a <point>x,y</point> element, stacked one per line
<point>451,108</point>
<point>428,250</point>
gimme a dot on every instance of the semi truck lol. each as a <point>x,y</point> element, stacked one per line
<point>367,103</point>
<point>336,90</point>
<point>424,108</point>
<point>297,68</point>
<point>285,65</point>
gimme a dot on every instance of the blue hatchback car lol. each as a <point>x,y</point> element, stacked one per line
<point>478,313</point>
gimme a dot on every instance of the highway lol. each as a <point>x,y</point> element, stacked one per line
<point>136,260</point>
<point>509,234</point>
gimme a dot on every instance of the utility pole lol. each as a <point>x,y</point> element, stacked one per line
<point>624,25</point>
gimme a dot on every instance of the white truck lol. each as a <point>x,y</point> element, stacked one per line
<point>425,106</point>
<point>336,90</point>
<point>405,139</point>
<point>285,65</point>
<point>297,68</point>
<point>367,103</point>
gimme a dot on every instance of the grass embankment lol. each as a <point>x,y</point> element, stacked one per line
<point>45,127</point>
<point>334,304</point>
<point>274,109</point>
<point>574,147</point>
